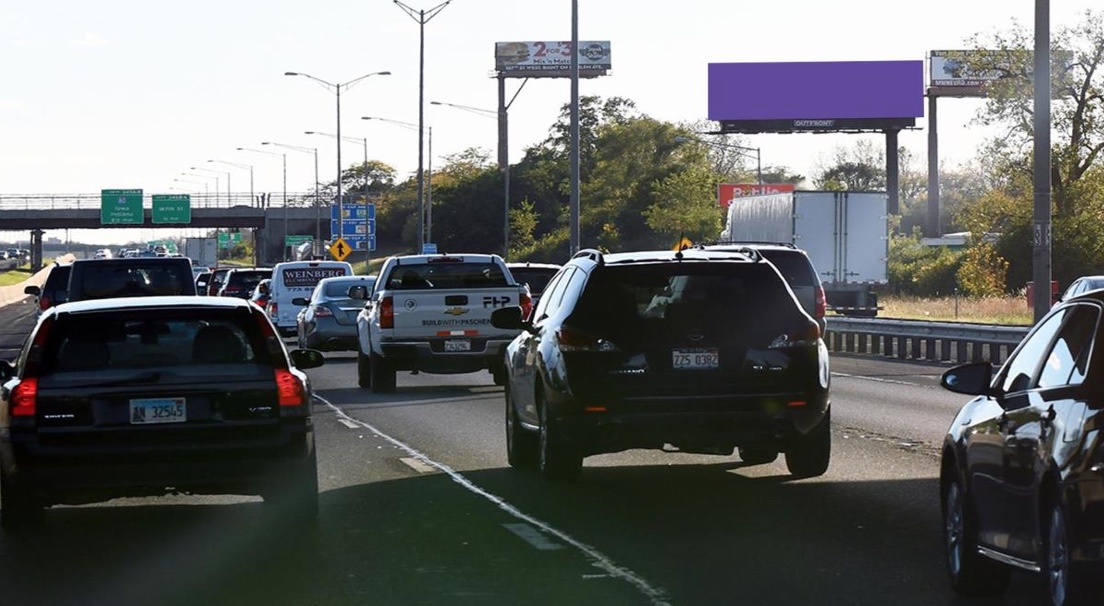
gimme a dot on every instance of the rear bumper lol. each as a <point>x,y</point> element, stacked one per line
<point>80,474</point>
<point>330,336</point>
<point>430,356</point>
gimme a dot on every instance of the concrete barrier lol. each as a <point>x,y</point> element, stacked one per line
<point>14,293</point>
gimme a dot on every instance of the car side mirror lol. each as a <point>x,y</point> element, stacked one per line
<point>299,301</point>
<point>307,358</point>
<point>32,290</point>
<point>509,318</point>
<point>970,379</point>
<point>359,292</point>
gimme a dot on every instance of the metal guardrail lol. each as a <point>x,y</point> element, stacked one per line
<point>93,201</point>
<point>920,340</point>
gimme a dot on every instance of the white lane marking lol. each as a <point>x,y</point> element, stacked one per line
<point>417,465</point>
<point>348,424</point>
<point>880,380</point>
<point>533,537</point>
<point>654,594</point>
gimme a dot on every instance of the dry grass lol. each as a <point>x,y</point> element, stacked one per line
<point>987,310</point>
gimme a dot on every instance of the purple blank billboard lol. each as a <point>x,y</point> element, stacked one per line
<point>823,90</point>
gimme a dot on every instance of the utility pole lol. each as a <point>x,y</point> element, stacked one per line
<point>574,155</point>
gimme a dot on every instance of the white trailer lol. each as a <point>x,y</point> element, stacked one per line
<point>845,233</point>
<point>202,251</point>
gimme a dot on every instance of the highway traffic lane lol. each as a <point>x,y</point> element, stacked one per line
<point>705,529</point>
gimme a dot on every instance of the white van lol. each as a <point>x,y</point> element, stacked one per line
<point>297,279</point>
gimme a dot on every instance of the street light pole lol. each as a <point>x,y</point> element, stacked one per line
<point>283,157</point>
<point>422,17</point>
<point>221,172</point>
<point>740,149</point>
<point>317,185</point>
<point>337,89</point>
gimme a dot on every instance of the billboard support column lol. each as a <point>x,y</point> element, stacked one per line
<point>1040,252</point>
<point>932,228</point>
<point>893,187</point>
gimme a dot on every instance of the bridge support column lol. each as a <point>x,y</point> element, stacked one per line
<point>36,249</point>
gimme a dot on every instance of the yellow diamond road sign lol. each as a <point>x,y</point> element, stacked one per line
<point>340,249</point>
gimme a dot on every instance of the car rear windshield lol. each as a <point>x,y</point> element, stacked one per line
<point>119,279</point>
<point>152,338</point>
<point>537,279</point>
<point>446,275</point>
<point>247,279</point>
<point>793,266</point>
<point>339,289</point>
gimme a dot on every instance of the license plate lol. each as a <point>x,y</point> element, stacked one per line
<point>150,411</point>
<point>695,359</point>
<point>458,345</point>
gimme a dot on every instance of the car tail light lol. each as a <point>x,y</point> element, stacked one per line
<point>808,335</point>
<point>23,398</point>
<point>289,388</point>
<point>526,304</point>
<point>272,308</point>
<point>821,307</point>
<point>44,302</point>
<point>321,311</point>
<point>387,313</point>
<point>261,302</point>
<point>571,339</point>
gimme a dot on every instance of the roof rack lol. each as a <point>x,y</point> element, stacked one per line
<point>590,253</point>
<point>737,242</point>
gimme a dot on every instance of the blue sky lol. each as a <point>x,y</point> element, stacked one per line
<point>130,93</point>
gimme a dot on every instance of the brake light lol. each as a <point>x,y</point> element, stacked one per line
<point>261,302</point>
<point>387,313</point>
<point>806,336</point>
<point>44,302</point>
<point>23,398</point>
<point>571,339</point>
<point>289,388</point>
<point>321,311</point>
<point>526,304</point>
<point>821,307</point>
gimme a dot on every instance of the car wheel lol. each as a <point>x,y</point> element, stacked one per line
<point>298,498</point>
<point>971,574</point>
<point>498,372</point>
<point>758,456</point>
<point>1067,583</point>
<point>557,460</point>
<point>17,506</point>
<point>521,445</point>
<point>383,376</point>
<point>809,455</point>
<point>364,370</point>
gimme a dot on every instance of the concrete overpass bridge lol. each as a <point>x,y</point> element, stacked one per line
<point>269,218</point>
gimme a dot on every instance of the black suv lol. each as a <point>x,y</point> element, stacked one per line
<point>240,282</point>
<point>53,290</point>
<point>692,351</point>
<point>130,277</point>
<point>795,266</point>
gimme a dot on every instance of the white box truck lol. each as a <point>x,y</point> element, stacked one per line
<point>202,251</point>
<point>845,233</point>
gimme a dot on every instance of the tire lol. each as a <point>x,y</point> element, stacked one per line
<point>1068,584</point>
<point>556,459</point>
<point>758,456</point>
<point>970,573</point>
<point>18,508</point>
<point>364,370</point>
<point>521,445</point>
<point>498,372</point>
<point>297,500</point>
<point>810,454</point>
<point>383,376</point>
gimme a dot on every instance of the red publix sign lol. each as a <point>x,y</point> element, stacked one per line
<point>726,192</point>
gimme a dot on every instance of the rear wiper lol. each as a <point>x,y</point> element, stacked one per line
<point>139,379</point>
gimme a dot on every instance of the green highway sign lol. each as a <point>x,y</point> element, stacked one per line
<point>297,240</point>
<point>121,206</point>
<point>226,239</point>
<point>171,208</point>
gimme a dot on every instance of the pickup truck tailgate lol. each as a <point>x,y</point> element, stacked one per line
<point>451,312</point>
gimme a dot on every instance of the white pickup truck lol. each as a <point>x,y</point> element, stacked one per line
<point>432,313</point>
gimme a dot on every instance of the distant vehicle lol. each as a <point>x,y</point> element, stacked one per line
<point>1020,474</point>
<point>534,276</point>
<point>240,281</point>
<point>261,292</point>
<point>204,251</point>
<point>694,351</point>
<point>1082,285</point>
<point>135,276</point>
<point>295,280</point>
<point>327,320</point>
<point>216,279</point>
<point>54,288</point>
<point>103,253</point>
<point>152,396</point>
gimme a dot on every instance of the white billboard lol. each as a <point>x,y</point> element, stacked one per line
<point>551,59</point>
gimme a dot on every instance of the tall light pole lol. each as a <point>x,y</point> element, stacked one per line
<point>337,88</point>
<point>249,167</point>
<point>739,149</point>
<point>221,172</point>
<point>206,177</point>
<point>283,160</point>
<point>429,181</point>
<point>573,153</point>
<point>205,184</point>
<point>422,17</point>
<point>317,187</point>
<point>361,140</point>
<point>503,156</point>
